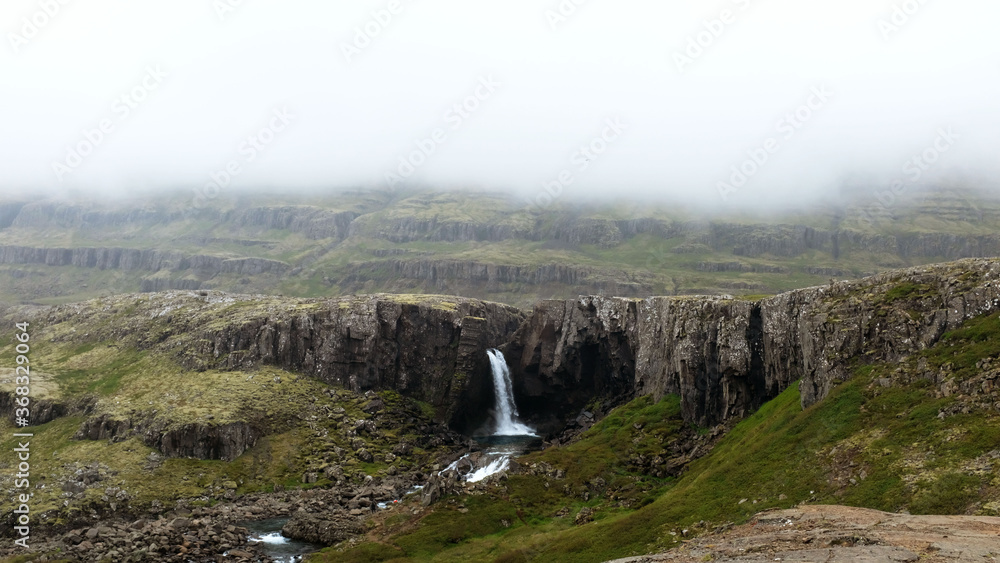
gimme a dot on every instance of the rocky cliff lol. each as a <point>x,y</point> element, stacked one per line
<point>429,348</point>
<point>725,357</point>
<point>199,441</point>
<point>129,259</point>
<point>739,239</point>
<point>470,276</point>
<point>101,258</point>
<point>413,345</point>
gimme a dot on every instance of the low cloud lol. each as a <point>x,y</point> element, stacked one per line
<point>710,95</point>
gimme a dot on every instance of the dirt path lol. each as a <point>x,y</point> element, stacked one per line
<point>841,534</point>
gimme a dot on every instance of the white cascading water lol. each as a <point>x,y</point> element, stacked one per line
<point>507,424</point>
<point>495,459</point>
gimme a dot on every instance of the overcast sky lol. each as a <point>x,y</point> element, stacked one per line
<point>670,97</point>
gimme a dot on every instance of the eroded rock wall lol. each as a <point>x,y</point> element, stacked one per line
<point>725,357</point>
<point>366,343</point>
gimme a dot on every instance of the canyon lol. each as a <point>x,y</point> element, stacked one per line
<point>723,356</point>
<point>381,393</point>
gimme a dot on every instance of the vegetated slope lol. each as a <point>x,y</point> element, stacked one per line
<point>922,435</point>
<point>477,244</point>
<point>139,401</point>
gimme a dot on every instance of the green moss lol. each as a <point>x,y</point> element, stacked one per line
<point>949,493</point>
<point>907,290</point>
<point>427,409</point>
<point>978,338</point>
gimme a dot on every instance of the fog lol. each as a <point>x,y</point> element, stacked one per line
<point>735,103</point>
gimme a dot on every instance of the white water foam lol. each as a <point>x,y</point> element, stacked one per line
<point>274,538</point>
<point>490,464</point>
<point>507,424</point>
<point>496,466</point>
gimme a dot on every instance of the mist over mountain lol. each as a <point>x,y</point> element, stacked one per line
<point>740,104</point>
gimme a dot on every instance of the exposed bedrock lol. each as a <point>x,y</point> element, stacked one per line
<point>429,348</point>
<point>200,441</point>
<point>569,352</point>
<point>725,357</point>
<point>451,275</point>
<point>129,259</point>
<point>432,351</point>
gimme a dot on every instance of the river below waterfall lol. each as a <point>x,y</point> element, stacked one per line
<point>277,546</point>
<point>494,457</point>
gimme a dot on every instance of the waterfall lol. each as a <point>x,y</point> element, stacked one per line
<point>496,458</point>
<point>506,410</point>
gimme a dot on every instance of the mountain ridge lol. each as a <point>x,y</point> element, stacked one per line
<point>478,244</point>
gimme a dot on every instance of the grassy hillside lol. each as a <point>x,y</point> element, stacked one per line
<point>307,426</point>
<point>923,437</point>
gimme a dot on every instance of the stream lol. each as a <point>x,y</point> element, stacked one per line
<point>282,549</point>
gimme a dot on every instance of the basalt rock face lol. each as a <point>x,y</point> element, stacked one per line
<point>199,441</point>
<point>409,229</point>
<point>788,241</point>
<point>447,274</point>
<point>101,258</point>
<point>9,212</point>
<point>41,411</point>
<point>312,222</point>
<point>569,352</point>
<point>56,214</point>
<point>429,348</point>
<point>726,357</point>
<point>817,334</point>
<point>129,259</point>
<point>948,246</point>
<point>432,350</point>
<point>471,395</point>
<point>370,343</point>
<point>708,350</point>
